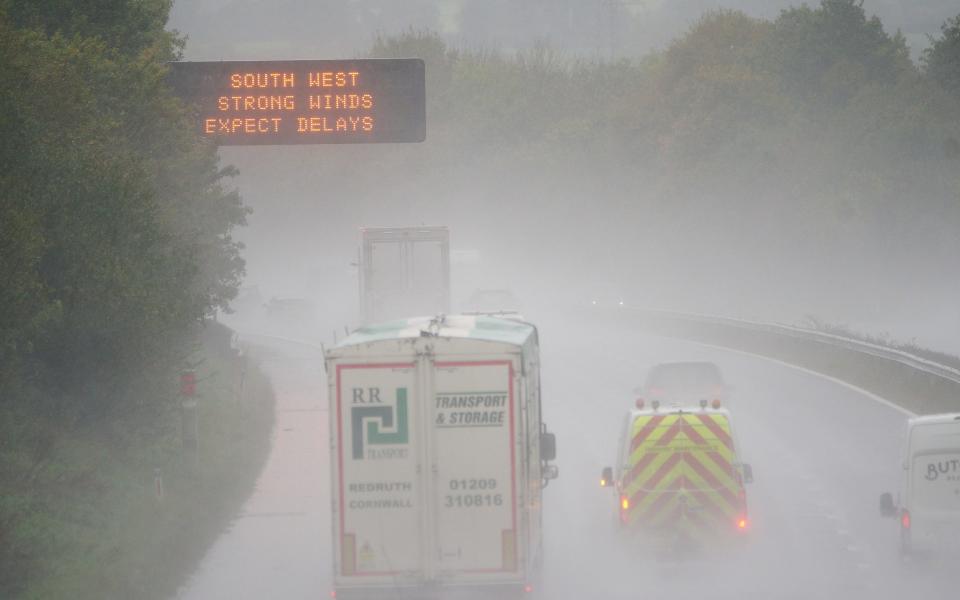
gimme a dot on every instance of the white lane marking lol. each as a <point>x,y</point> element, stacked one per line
<point>830,378</point>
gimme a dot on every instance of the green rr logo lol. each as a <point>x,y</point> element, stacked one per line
<point>377,417</point>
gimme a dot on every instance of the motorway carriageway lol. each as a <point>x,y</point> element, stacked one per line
<point>821,454</point>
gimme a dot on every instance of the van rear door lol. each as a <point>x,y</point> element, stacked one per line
<point>681,474</point>
<point>935,469</point>
<point>936,482</point>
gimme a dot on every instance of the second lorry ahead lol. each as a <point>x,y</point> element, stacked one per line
<point>403,271</point>
<point>440,457</point>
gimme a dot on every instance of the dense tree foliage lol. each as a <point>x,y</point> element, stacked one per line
<point>808,143</point>
<point>114,246</point>
<point>115,226</point>
<point>942,58</point>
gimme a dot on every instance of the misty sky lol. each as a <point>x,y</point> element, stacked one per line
<point>305,206</point>
<point>275,29</point>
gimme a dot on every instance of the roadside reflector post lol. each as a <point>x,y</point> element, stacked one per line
<point>241,382</point>
<point>158,485</point>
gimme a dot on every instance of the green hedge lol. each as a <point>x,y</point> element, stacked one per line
<point>79,514</point>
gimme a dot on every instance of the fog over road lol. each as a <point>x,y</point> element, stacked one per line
<point>821,453</point>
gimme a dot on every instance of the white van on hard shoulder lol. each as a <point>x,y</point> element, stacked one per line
<point>928,505</point>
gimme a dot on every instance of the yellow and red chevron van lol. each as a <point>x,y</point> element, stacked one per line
<point>439,457</point>
<point>678,476</point>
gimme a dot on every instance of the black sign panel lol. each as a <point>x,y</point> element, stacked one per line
<point>305,101</point>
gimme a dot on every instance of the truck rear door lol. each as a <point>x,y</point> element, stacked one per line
<point>377,465</point>
<point>474,422</point>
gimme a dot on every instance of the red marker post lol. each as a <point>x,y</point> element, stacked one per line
<point>188,383</point>
<point>188,405</point>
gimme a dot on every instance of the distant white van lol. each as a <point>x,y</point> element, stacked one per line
<point>928,506</point>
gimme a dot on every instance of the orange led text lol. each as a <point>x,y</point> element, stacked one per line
<point>332,78</point>
<point>256,103</point>
<point>245,125</point>
<point>262,80</point>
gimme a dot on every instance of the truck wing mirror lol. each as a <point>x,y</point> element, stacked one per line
<point>747,473</point>
<point>606,477</point>
<point>887,508</point>
<point>548,446</point>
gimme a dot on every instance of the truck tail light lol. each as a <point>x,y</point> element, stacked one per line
<point>905,519</point>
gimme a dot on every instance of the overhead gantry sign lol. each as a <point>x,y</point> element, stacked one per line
<point>305,101</point>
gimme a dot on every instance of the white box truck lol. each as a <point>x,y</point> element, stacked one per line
<point>440,457</point>
<point>929,501</point>
<point>403,271</point>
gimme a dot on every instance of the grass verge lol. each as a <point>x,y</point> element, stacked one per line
<point>81,515</point>
<point>898,383</point>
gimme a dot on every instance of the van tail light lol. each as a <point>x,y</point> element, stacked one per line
<point>905,519</point>
<point>743,523</point>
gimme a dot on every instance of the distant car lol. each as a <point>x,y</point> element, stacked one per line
<point>928,505</point>
<point>605,295</point>
<point>300,309</point>
<point>685,384</point>
<point>248,302</point>
<point>492,301</point>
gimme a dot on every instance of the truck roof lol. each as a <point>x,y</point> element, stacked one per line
<point>478,327</point>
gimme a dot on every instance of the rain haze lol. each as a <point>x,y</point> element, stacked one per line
<point>660,306</point>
